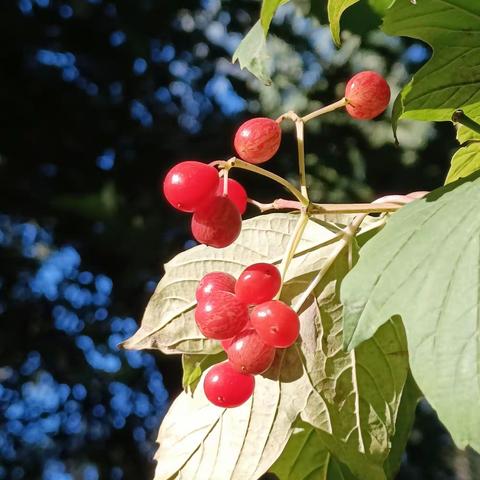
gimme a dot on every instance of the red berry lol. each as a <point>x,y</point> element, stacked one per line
<point>276,323</point>
<point>227,388</point>
<point>221,315</point>
<point>236,193</point>
<point>258,283</point>
<point>189,185</point>
<point>218,224</point>
<point>257,140</point>
<point>212,282</point>
<point>367,94</point>
<point>226,343</point>
<point>248,353</point>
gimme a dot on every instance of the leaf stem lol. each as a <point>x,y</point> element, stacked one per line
<point>322,111</point>
<point>460,117</point>
<point>237,163</point>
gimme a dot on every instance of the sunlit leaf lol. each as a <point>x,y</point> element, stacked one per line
<point>451,78</point>
<point>251,53</point>
<point>168,322</point>
<point>269,7</point>
<point>351,398</point>
<point>424,266</point>
<point>335,11</point>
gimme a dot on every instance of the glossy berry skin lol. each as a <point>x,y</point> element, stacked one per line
<point>218,224</point>
<point>248,353</point>
<point>276,323</point>
<point>227,388</point>
<point>367,94</point>
<point>257,140</point>
<point>212,282</point>
<point>258,283</point>
<point>221,315</point>
<point>236,193</point>
<point>190,185</point>
<point>228,341</point>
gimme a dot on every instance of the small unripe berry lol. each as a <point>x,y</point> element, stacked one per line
<point>258,283</point>
<point>276,323</point>
<point>257,140</point>
<point>248,353</point>
<point>212,282</point>
<point>218,224</point>
<point>236,193</point>
<point>367,94</point>
<point>227,388</point>
<point>190,185</point>
<point>221,315</point>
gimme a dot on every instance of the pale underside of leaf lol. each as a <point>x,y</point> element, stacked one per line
<point>451,78</point>
<point>168,323</point>
<point>352,398</point>
<point>425,266</point>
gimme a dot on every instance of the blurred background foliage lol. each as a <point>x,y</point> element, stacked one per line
<point>97,100</point>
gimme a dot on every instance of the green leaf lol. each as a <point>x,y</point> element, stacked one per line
<point>306,458</point>
<point>168,323</point>
<point>405,418</point>
<point>465,162</point>
<point>195,365</point>
<point>335,11</point>
<point>465,134</point>
<point>451,78</point>
<point>424,266</point>
<point>269,7</point>
<point>251,54</point>
<point>380,6</point>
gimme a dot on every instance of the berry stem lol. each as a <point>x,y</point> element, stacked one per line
<point>328,208</point>
<point>237,163</point>
<point>293,242</point>
<point>225,181</point>
<point>299,128</point>
<point>344,240</point>
<point>328,108</point>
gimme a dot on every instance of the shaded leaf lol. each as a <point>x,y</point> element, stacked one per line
<point>306,458</point>
<point>251,53</point>
<point>405,418</point>
<point>424,266</point>
<point>194,366</point>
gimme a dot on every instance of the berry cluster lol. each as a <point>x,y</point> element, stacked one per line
<point>196,188</point>
<point>250,325</point>
<point>242,313</point>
